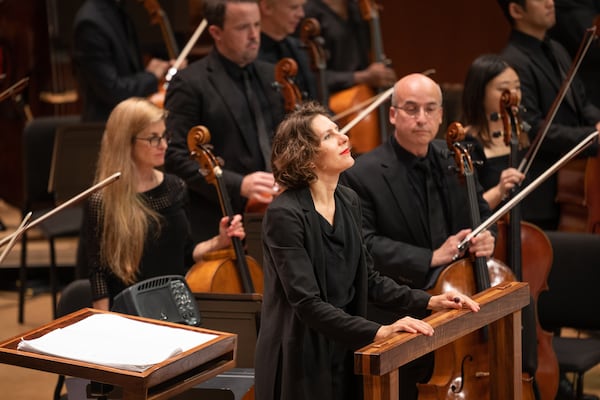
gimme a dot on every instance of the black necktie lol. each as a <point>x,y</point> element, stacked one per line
<point>259,121</point>
<point>435,214</point>
<point>547,49</point>
<point>558,69</point>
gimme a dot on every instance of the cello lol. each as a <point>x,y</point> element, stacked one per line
<point>529,253</point>
<point>285,71</point>
<point>222,271</point>
<point>461,368</point>
<point>310,35</point>
<point>159,17</point>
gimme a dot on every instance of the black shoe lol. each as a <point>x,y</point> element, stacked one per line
<point>566,391</point>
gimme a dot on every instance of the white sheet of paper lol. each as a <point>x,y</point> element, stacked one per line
<point>116,341</point>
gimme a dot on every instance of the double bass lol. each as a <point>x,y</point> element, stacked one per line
<point>461,368</point>
<point>222,271</point>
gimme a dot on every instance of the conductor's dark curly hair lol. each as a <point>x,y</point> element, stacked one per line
<point>295,146</point>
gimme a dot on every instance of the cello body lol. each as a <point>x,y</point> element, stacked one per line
<point>218,273</point>
<point>461,368</point>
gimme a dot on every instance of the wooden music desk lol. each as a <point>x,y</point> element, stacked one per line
<point>500,310</point>
<point>160,381</point>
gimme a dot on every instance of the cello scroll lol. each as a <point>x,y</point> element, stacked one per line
<point>286,70</point>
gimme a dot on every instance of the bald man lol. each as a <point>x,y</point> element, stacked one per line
<point>408,242</point>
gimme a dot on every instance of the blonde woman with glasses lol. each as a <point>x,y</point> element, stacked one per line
<point>137,228</point>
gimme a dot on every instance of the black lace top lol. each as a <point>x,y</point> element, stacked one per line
<point>167,250</point>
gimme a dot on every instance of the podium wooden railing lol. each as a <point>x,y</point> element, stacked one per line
<point>500,310</point>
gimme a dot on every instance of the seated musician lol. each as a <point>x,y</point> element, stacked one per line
<point>411,231</point>
<point>108,60</point>
<point>279,20</point>
<point>486,80</point>
<point>318,273</point>
<point>347,40</point>
<point>229,92</point>
<point>137,227</point>
<point>541,64</point>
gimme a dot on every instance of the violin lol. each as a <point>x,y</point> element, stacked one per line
<point>310,36</point>
<point>222,271</point>
<point>462,368</point>
<point>529,254</point>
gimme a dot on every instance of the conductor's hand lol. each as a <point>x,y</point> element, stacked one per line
<point>259,186</point>
<point>406,324</point>
<point>452,299</point>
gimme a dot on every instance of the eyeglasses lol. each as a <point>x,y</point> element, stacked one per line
<point>414,110</point>
<point>154,141</point>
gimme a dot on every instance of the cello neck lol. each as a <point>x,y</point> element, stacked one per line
<point>464,164</point>
<point>158,16</point>
<point>512,131</point>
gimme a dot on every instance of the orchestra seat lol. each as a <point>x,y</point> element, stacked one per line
<point>577,356</point>
<point>572,286</point>
<point>60,156</point>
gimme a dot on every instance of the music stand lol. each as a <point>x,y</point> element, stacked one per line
<point>161,381</point>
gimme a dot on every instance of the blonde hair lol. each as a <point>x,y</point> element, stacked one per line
<point>125,217</point>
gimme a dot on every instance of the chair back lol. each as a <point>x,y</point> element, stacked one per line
<point>74,158</point>
<point>38,142</point>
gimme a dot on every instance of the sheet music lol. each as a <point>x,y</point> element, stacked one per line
<point>116,341</point>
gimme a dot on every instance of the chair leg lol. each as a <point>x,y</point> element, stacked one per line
<point>53,278</point>
<point>579,388</point>
<point>22,278</point>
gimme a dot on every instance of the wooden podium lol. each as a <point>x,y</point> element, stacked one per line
<point>160,381</point>
<point>500,309</point>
